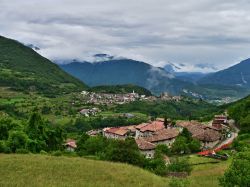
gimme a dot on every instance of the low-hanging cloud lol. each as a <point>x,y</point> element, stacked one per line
<point>213,32</point>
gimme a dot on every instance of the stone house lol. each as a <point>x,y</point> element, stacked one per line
<point>147,129</point>
<point>164,136</point>
<point>146,148</point>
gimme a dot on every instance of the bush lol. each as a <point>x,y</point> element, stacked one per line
<point>42,152</point>
<point>158,166</point>
<point>177,182</point>
<point>22,151</point>
<point>17,140</point>
<point>162,149</point>
<point>56,153</point>
<point>3,147</point>
<point>180,165</point>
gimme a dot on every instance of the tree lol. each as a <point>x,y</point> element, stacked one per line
<point>81,142</point>
<point>194,146</point>
<point>161,150</point>
<point>180,145</point>
<point>36,127</point>
<point>17,140</point>
<point>124,151</point>
<point>185,133</point>
<point>238,174</point>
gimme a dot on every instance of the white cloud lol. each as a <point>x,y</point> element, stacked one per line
<point>156,31</point>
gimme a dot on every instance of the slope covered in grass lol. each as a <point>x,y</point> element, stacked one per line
<point>38,170</point>
<point>23,69</point>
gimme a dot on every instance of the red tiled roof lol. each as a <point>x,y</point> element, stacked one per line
<point>144,145</point>
<point>71,143</point>
<point>153,126</point>
<point>164,134</point>
<point>141,125</point>
<point>116,130</point>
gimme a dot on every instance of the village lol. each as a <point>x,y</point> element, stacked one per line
<point>109,98</point>
<point>149,135</point>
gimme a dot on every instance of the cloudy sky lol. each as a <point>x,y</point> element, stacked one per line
<point>215,32</point>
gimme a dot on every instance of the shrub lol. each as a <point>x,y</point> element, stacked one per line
<point>42,152</point>
<point>56,153</point>
<point>177,182</point>
<point>180,165</point>
<point>22,151</point>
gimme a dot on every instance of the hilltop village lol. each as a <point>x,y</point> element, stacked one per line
<point>109,98</point>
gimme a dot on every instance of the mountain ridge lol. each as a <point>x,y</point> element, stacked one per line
<point>24,69</point>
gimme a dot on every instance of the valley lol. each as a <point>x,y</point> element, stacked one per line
<point>117,122</point>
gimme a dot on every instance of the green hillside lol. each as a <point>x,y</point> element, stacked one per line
<point>41,170</point>
<point>37,170</point>
<point>121,89</point>
<point>240,111</point>
<point>21,68</point>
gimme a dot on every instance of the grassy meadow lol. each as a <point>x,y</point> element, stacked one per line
<point>42,170</point>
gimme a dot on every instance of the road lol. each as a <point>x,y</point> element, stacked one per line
<point>233,134</point>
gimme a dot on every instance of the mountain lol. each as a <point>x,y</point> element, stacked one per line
<point>189,72</point>
<point>190,76</point>
<point>125,71</point>
<point>237,75</point>
<point>21,68</point>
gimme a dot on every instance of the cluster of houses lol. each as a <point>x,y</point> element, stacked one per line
<point>149,135</point>
<point>108,98</point>
<point>89,111</point>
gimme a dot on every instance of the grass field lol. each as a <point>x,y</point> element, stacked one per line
<point>38,170</point>
<point>41,170</point>
<point>207,171</point>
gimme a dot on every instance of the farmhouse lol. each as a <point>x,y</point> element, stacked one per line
<point>146,148</point>
<point>219,121</point>
<point>147,129</point>
<point>209,138</point>
<point>163,136</point>
<point>70,145</point>
<point>119,132</point>
<point>208,135</point>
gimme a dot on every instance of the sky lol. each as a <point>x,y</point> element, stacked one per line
<point>212,33</point>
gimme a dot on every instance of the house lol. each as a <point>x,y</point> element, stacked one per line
<point>146,148</point>
<point>94,132</point>
<point>89,112</point>
<point>163,136</point>
<point>208,135</point>
<point>219,121</point>
<point>147,129</point>
<point>209,138</point>
<point>119,132</point>
<point>70,145</point>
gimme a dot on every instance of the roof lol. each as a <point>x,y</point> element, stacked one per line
<point>200,131</point>
<point>144,145</point>
<point>164,134</point>
<point>153,126</point>
<point>71,143</point>
<point>116,130</point>
<point>187,123</point>
<point>141,125</point>
<point>208,135</point>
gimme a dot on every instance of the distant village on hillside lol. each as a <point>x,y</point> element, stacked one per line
<point>108,98</point>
